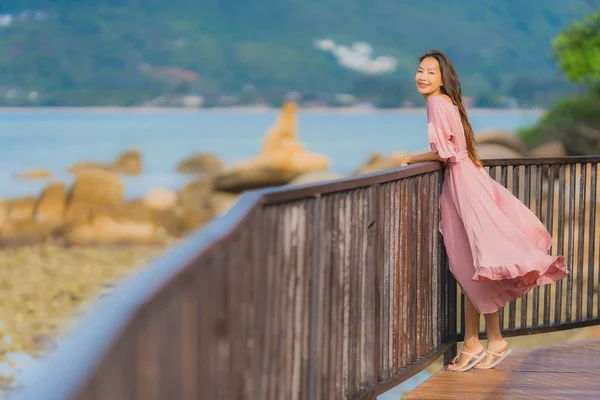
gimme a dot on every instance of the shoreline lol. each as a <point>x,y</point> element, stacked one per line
<point>254,110</point>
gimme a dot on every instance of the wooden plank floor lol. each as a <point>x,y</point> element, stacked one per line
<point>562,371</point>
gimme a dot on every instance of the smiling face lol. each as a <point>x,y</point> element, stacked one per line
<point>429,77</point>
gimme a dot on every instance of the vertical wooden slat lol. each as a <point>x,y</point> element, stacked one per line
<point>245,308</point>
<point>390,316</point>
<point>417,265</point>
<point>434,259</point>
<point>366,236</point>
<point>412,278</point>
<point>325,296</point>
<point>287,241</point>
<point>527,201</point>
<point>223,350</point>
<point>377,210</point>
<point>550,227</point>
<point>259,281</point>
<point>492,172</point>
<point>429,294</point>
<point>395,298</point>
<point>190,331</point>
<point>337,295</point>
<point>312,273</point>
<point>571,243</point>
<point>592,240</point>
<point>233,319</point>
<point>346,222</point>
<point>396,280</point>
<point>206,320</point>
<point>512,311</point>
<point>303,261</point>
<point>385,285</point>
<point>355,217</point>
<point>331,345</point>
<point>539,212</point>
<point>580,241</point>
<point>272,299</point>
<point>503,182</point>
<point>314,302</point>
<point>282,280</point>
<point>560,242</point>
<point>402,264</point>
<point>292,215</point>
<point>268,300</point>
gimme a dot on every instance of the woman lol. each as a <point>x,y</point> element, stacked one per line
<point>497,248</point>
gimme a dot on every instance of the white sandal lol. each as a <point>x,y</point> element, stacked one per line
<point>498,359</point>
<point>475,359</point>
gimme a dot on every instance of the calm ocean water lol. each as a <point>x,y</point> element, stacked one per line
<point>54,140</point>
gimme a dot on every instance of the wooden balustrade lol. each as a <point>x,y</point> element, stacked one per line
<point>334,290</point>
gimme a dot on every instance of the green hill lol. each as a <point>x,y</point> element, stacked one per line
<point>124,52</point>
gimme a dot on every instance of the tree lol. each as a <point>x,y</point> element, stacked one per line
<point>577,50</point>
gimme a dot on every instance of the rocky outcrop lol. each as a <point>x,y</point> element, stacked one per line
<point>4,207</point>
<point>92,211</point>
<point>34,174</point>
<point>98,213</point>
<point>502,138</point>
<point>127,163</point>
<point>221,202</point>
<point>282,159</point>
<point>549,150</point>
<point>198,202</point>
<point>489,151</point>
<point>313,177</point>
<point>94,192</point>
<point>200,163</point>
<point>379,162</point>
<point>238,180</point>
<point>18,221</point>
<point>160,199</point>
<point>52,204</point>
<point>22,210</point>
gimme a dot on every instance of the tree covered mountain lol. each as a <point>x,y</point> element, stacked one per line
<point>124,52</point>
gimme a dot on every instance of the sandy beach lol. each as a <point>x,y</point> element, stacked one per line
<point>46,289</point>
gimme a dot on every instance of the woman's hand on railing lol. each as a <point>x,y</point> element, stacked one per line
<point>406,160</point>
<point>429,156</point>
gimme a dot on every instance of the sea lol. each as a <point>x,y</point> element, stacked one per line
<point>54,139</point>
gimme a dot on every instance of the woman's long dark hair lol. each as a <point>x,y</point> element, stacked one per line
<point>451,87</point>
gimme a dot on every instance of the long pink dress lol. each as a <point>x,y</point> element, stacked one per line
<point>497,247</point>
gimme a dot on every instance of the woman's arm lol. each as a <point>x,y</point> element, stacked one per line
<point>429,156</point>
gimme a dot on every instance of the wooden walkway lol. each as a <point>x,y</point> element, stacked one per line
<point>562,371</point>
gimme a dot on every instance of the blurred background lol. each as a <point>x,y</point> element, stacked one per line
<point>126,125</point>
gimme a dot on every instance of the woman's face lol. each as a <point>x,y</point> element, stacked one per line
<point>429,77</point>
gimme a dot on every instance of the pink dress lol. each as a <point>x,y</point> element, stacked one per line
<point>497,247</point>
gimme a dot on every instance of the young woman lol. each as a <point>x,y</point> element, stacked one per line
<point>497,248</point>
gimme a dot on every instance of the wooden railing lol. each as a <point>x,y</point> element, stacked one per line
<point>336,290</point>
<point>563,193</point>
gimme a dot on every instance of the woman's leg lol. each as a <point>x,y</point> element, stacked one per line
<point>472,344</point>
<point>496,343</point>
